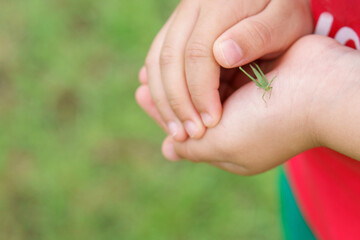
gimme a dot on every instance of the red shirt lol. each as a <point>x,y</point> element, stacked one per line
<point>325,183</point>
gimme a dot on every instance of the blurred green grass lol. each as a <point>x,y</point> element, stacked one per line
<point>79,159</point>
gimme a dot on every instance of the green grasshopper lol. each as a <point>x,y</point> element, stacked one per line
<point>261,80</point>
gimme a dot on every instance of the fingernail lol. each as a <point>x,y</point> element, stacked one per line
<point>190,128</point>
<point>169,152</point>
<point>207,119</point>
<point>232,53</point>
<point>173,128</point>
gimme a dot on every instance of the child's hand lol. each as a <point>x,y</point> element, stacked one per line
<point>253,137</point>
<point>181,68</point>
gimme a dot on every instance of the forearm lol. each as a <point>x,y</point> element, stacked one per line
<point>337,121</point>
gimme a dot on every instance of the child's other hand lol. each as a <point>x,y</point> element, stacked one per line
<point>253,136</point>
<point>181,67</point>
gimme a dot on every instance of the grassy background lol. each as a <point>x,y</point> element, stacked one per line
<point>79,159</point>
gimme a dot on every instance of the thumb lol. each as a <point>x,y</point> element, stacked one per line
<point>206,149</point>
<point>197,153</point>
<point>265,34</point>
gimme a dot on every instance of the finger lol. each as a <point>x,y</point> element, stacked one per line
<point>172,69</point>
<point>168,150</point>
<point>191,150</point>
<point>202,71</point>
<point>209,148</point>
<point>143,98</point>
<point>173,125</point>
<point>142,75</point>
<point>204,151</point>
<point>230,167</point>
<point>267,33</point>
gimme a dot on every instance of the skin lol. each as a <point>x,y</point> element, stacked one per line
<point>315,102</point>
<point>183,65</point>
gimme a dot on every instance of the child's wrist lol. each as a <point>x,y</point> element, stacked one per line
<point>338,101</point>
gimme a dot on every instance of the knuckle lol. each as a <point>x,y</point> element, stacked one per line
<point>159,102</point>
<point>176,103</point>
<point>260,33</point>
<point>192,155</point>
<point>196,50</point>
<point>167,55</point>
<point>196,90</point>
